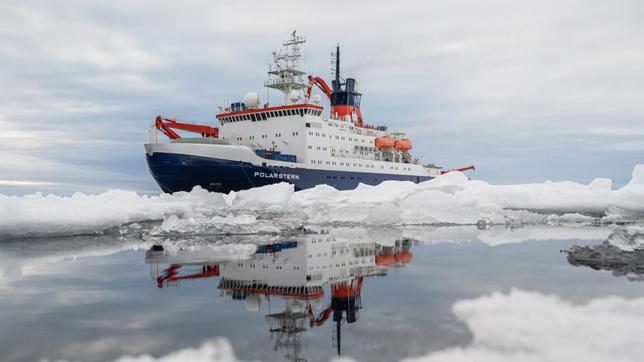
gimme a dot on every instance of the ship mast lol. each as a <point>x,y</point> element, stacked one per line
<point>286,73</point>
<point>335,58</point>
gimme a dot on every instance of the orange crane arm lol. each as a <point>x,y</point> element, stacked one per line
<point>324,315</point>
<point>166,126</point>
<point>172,272</point>
<point>321,84</point>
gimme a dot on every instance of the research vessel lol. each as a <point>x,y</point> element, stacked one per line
<point>258,143</point>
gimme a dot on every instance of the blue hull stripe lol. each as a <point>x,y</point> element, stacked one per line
<point>177,172</point>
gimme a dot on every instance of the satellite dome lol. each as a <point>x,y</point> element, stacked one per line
<point>251,303</point>
<point>251,100</point>
<point>317,303</point>
<point>294,306</point>
<point>316,99</point>
<point>293,97</point>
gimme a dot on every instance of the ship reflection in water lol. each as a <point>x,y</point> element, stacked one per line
<point>317,280</point>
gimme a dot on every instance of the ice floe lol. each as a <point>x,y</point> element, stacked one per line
<point>448,199</point>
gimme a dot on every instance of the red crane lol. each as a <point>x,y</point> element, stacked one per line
<point>166,126</point>
<point>461,169</point>
<point>321,84</point>
<point>172,274</point>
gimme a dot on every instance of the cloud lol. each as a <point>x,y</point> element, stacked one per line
<point>501,84</point>
<point>26,183</point>
<point>214,350</point>
<point>529,326</point>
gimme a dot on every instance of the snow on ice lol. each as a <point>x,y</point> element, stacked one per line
<point>448,199</point>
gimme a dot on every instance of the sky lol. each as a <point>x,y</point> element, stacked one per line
<point>527,91</point>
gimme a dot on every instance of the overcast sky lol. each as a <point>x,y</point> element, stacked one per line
<point>527,91</point>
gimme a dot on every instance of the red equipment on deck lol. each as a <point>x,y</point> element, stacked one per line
<point>321,84</point>
<point>466,168</point>
<point>172,274</point>
<point>166,125</point>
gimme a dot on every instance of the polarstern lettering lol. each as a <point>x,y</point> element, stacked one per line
<point>281,176</point>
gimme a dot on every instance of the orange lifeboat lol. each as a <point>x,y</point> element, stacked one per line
<point>403,144</point>
<point>384,142</point>
<point>385,260</point>
<point>403,257</point>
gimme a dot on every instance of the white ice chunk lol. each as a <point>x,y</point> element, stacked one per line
<point>276,196</point>
<point>447,199</point>
<point>601,184</point>
<point>629,238</point>
<point>638,175</point>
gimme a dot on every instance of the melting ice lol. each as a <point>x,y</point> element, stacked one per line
<point>450,199</point>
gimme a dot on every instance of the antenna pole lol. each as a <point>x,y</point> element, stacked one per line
<point>337,64</point>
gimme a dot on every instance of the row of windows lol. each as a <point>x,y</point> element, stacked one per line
<point>262,116</point>
<point>342,178</point>
<point>317,134</point>
<point>278,267</point>
<point>266,136</point>
<point>348,164</point>
<point>314,240</point>
<point>318,148</point>
<point>308,277</point>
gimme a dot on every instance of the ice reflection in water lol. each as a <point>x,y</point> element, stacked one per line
<point>622,253</point>
<point>316,280</point>
<point>97,290</point>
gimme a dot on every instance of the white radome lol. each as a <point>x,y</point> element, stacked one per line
<point>251,303</point>
<point>294,306</point>
<point>251,100</point>
<point>317,303</point>
<point>293,97</point>
<point>316,99</point>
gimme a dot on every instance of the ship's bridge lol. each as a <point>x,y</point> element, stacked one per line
<point>242,113</point>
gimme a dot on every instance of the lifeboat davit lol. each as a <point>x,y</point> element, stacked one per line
<point>403,144</point>
<point>384,142</point>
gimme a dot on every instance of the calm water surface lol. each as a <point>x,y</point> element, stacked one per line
<point>373,295</point>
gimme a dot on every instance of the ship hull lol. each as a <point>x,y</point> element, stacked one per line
<point>175,172</point>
